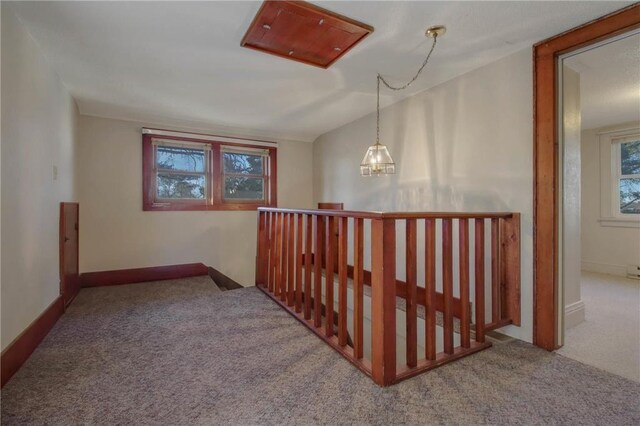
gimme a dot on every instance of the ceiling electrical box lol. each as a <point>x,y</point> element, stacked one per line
<point>303,32</point>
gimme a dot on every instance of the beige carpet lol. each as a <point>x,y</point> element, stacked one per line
<point>180,353</point>
<point>609,338</point>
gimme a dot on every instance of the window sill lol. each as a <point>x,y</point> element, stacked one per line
<point>202,207</point>
<point>617,222</point>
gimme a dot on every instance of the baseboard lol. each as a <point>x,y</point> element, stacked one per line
<point>23,346</point>
<point>573,314</point>
<point>604,268</point>
<point>139,275</point>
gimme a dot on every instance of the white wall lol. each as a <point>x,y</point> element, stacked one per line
<point>606,249</point>
<point>570,199</point>
<point>465,145</point>
<point>116,234</point>
<point>38,133</point>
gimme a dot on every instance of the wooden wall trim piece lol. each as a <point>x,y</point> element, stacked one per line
<point>138,275</point>
<point>23,346</point>
<point>223,281</point>
<point>331,206</point>
<point>545,191</point>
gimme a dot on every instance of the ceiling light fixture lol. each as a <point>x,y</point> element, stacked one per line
<point>377,161</point>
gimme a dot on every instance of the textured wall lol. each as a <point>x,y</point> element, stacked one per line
<point>605,249</point>
<point>574,308</point>
<point>38,133</point>
<point>465,145</point>
<point>116,234</point>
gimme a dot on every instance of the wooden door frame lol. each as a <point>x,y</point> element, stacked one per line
<point>61,248</point>
<point>545,165</point>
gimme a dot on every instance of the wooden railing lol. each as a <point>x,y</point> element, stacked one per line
<point>296,248</point>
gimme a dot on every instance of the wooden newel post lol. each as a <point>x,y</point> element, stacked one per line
<point>383,301</point>
<point>510,233</point>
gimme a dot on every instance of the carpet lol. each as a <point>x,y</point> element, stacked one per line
<point>609,337</point>
<point>180,352</point>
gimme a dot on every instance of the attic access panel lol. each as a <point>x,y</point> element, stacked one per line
<point>303,32</point>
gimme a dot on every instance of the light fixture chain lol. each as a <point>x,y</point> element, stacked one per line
<point>378,113</point>
<point>424,64</point>
<point>377,160</point>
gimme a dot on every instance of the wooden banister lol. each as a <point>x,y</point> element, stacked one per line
<point>430,289</point>
<point>463,256</point>
<point>479,272</point>
<point>447,284</point>
<point>299,253</point>
<point>317,287</point>
<point>358,287</point>
<point>342,280</point>
<point>392,215</point>
<point>412,292</point>
<point>383,301</point>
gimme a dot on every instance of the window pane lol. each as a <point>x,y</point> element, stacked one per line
<point>183,159</point>
<point>630,158</point>
<point>181,186</point>
<point>243,188</point>
<point>630,196</point>
<point>249,164</point>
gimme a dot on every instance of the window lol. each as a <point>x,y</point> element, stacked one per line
<point>244,174</point>
<point>619,152</point>
<point>627,176</point>
<point>190,174</point>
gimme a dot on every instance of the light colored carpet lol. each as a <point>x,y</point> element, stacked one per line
<point>609,338</point>
<point>179,353</point>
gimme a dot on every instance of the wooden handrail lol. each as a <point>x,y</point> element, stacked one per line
<point>390,215</point>
<point>299,255</point>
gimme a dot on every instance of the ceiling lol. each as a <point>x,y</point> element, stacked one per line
<point>609,82</point>
<point>159,61</point>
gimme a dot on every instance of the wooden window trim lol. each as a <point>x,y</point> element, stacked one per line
<point>545,163</point>
<point>215,199</point>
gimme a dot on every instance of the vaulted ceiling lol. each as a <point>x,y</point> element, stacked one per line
<point>153,61</point>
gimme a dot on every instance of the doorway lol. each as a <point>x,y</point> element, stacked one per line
<point>599,204</point>
<point>547,317</point>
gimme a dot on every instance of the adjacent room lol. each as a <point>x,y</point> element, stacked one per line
<point>601,100</point>
<point>320,212</point>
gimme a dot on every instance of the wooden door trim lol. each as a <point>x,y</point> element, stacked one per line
<point>545,168</point>
<point>62,232</point>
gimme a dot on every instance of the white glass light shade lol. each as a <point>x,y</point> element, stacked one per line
<point>377,162</point>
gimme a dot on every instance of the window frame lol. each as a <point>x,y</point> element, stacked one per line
<point>617,176</point>
<point>214,179</point>
<point>609,195</point>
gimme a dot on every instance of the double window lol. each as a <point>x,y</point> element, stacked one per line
<point>191,174</point>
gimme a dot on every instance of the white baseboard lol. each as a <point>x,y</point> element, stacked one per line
<point>604,268</point>
<point>573,314</point>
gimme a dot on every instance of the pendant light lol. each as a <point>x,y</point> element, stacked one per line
<point>377,161</point>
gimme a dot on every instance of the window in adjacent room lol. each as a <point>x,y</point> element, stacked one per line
<point>619,148</point>
<point>626,153</point>
<point>187,174</point>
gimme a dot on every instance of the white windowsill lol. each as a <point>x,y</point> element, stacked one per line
<point>619,222</point>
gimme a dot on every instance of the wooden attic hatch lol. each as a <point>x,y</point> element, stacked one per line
<point>303,32</point>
